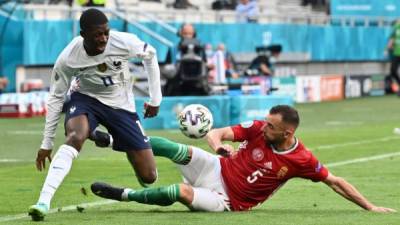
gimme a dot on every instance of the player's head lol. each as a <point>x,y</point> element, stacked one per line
<point>221,47</point>
<point>187,31</point>
<point>282,123</point>
<point>275,50</point>
<point>94,30</point>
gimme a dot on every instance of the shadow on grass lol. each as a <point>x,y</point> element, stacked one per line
<point>327,212</point>
<point>270,212</point>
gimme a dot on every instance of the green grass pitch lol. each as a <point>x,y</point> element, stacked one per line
<point>335,132</point>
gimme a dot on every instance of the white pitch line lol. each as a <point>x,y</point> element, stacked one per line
<point>364,159</point>
<point>62,209</point>
<point>369,141</point>
<point>25,132</point>
<point>343,123</point>
<point>30,161</point>
<point>106,202</point>
<point>14,160</point>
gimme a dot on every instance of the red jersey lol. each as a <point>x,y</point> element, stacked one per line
<point>258,170</point>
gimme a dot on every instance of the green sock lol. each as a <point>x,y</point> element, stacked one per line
<point>178,153</point>
<point>156,196</point>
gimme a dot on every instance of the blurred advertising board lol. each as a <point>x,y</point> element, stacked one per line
<point>319,88</point>
<point>20,105</point>
<point>378,85</point>
<point>308,89</point>
<point>285,86</point>
<point>332,88</point>
<point>365,8</point>
<point>251,107</point>
<point>364,85</point>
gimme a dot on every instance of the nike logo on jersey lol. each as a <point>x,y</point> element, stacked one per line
<point>147,139</point>
<point>57,168</point>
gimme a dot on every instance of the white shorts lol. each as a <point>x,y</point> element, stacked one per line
<point>203,173</point>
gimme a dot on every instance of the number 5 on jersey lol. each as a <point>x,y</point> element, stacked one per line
<point>254,176</point>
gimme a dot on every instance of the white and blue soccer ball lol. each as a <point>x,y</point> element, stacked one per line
<point>195,121</point>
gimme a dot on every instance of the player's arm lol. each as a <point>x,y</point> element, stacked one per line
<point>148,55</point>
<point>215,140</point>
<point>150,63</point>
<point>58,88</point>
<point>348,191</point>
<point>265,69</point>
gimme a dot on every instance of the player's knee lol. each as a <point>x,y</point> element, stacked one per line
<point>76,140</point>
<point>186,194</point>
<point>149,177</point>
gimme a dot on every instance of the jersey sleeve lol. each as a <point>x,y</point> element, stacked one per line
<point>153,70</point>
<point>313,170</point>
<point>245,130</point>
<point>138,48</point>
<point>59,84</point>
<point>141,50</point>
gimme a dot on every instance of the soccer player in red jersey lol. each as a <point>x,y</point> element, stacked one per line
<point>269,155</point>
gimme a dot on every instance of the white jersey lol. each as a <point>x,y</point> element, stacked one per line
<point>105,77</point>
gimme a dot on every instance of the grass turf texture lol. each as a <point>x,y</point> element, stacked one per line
<point>335,131</point>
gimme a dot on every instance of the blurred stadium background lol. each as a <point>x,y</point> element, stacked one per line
<point>331,50</point>
<point>332,67</point>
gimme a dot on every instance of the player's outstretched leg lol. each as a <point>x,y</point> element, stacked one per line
<point>163,196</point>
<point>105,190</point>
<point>178,153</point>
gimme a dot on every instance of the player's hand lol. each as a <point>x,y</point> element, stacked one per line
<point>41,157</point>
<point>225,150</point>
<point>150,111</point>
<point>380,209</point>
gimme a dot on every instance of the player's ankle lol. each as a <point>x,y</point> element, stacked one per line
<point>125,193</point>
<point>45,205</point>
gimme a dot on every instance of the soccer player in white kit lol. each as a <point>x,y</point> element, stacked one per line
<point>99,60</point>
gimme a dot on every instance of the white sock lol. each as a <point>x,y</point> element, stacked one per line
<point>124,196</point>
<point>111,141</point>
<point>58,169</point>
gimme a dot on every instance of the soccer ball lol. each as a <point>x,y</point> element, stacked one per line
<point>195,121</point>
